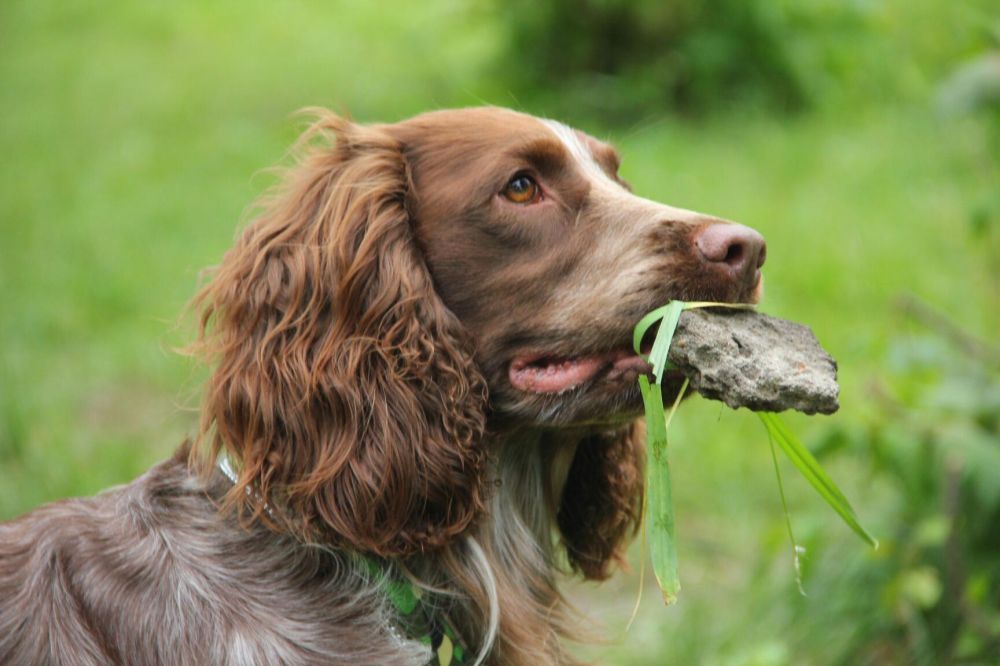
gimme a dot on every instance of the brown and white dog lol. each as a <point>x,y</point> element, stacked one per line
<point>421,352</point>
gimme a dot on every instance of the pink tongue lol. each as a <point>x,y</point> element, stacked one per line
<point>564,374</point>
<point>554,377</point>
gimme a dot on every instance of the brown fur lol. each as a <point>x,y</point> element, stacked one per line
<point>361,330</point>
<point>343,385</point>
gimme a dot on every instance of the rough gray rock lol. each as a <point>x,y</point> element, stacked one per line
<point>749,359</point>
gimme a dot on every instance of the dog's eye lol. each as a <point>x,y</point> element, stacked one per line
<point>522,189</point>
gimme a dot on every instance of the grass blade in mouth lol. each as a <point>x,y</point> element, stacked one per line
<point>660,507</point>
<point>664,336</point>
<point>659,519</point>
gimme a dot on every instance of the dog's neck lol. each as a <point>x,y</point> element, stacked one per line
<point>530,468</point>
<point>516,577</point>
<point>499,583</point>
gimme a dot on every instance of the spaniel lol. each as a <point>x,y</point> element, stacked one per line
<point>422,382</point>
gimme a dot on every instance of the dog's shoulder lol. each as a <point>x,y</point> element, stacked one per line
<point>154,572</point>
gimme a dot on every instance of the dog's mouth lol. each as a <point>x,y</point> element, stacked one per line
<point>548,373</point>
<point>555,373</point>
<point>541,373</point>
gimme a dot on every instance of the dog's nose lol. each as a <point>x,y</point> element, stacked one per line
<point>739,250</point>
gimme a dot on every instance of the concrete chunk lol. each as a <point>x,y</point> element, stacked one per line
<point>749,359</point>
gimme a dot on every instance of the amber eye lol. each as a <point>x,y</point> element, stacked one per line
<point>522,189</point>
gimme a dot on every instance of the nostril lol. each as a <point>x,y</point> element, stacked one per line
<point>762,255</point>
<point>734,255</point>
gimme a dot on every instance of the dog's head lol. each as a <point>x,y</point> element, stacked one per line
<point>548,259</point>
<point>410,286</point>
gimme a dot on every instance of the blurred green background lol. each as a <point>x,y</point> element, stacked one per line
<point>862,138</point>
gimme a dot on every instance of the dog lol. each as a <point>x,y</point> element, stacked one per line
<point>423,404</point>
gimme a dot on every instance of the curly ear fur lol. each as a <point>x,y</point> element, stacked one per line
<point>343,385</point>
<point>602,501</point>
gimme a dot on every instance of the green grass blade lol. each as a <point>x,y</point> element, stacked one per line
<point>664,336</point>
<point>800,455</point>
<point>668,316</point>
<point>644,325</point>
<point>796,549</point>
<point>814,474</point>
<point>695,305</point>
<point>660,509</point>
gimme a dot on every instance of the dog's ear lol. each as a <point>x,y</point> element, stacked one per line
<point>344,388</point>
<point>601,505</point>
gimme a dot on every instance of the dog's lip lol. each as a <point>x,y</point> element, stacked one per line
<point>552,372</point>
<point>541,372</point>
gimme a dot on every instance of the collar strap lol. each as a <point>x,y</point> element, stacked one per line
<point>416,618</point>
<point>413,616</point>
<point>226,467</point>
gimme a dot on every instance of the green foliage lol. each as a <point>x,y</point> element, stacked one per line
<point>622,59</point>
<point>973,89</point>
<point>937,585</point>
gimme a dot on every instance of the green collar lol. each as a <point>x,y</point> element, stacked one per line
<point>416,619</point>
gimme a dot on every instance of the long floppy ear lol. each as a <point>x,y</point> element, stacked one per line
<point>601,505</point>
<point>344,388</point>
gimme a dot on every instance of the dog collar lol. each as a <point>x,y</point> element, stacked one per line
<point>416,619</point>
<point>413,616</point>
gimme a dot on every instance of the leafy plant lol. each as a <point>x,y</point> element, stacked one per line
<point>933,451</point>
<point>625,59</point>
